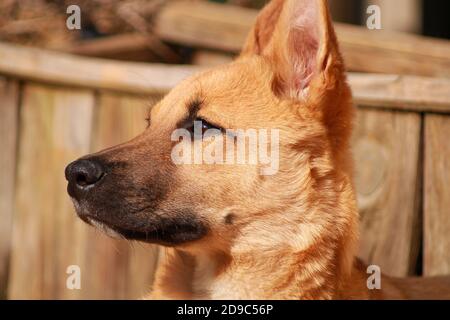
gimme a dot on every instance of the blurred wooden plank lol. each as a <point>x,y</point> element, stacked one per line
<point>408,93</point>
<point>207,58</point>
<point>116,270</point>
<point>128,46</point>
<point>9,111</point>
<point>380,51</point>
<point>437,196</point>
<point>47,236</point>
<point>386,151</point>
<point>381,91</point>
<point>215,26</point>
<point>66,69</point>
<point>205,24</point>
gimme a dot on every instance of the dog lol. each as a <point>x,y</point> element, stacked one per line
<point>228,231</point>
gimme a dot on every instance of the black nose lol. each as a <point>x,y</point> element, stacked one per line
<point>82,175</point>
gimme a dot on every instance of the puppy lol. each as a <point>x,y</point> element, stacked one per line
<point>237,230</point>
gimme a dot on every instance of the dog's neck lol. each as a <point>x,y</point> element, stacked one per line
<point>265,266</point>
<point>277,274</point>
<point>321,270</point>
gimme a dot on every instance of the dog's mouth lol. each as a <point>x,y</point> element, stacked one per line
<point>122,233</point>
<point>169,231</point>
<point>113,230</point>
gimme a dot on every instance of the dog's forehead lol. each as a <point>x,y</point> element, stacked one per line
<point>241,74</point>
<point>224,91</point>
<point>241,83</point>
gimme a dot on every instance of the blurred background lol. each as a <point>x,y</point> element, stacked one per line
<point>131,30</point>
<point>65,93</point>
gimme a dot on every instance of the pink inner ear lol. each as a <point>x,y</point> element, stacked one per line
<point>304,42</point>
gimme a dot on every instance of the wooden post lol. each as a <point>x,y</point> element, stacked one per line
<point>386,151</point>
<point>437,196</point>
<point>47,238</point>
<point>9,106</point>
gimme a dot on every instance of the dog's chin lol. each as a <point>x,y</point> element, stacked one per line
<point>178,231</point>
<point>121,233</point>
<point>107,228</point>
<point>104,228</point>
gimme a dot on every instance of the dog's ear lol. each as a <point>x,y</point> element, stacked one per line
<point>262,31</point>
<point>298,38</point>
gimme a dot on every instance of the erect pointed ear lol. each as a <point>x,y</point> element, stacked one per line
<point>262,31</point>
<point>298,39</point>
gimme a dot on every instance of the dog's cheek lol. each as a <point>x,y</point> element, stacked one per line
<point>206,197</point>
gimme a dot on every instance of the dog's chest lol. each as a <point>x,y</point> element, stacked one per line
<point>234,284</point>
<point>204,276</point>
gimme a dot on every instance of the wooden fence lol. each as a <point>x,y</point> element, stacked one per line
<point>55,108</point>
<point>215,32</point>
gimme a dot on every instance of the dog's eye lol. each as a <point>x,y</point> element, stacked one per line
<point>202,124</point>
<point>147,119</point>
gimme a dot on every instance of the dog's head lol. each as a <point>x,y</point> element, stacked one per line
<point>176,183</point>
